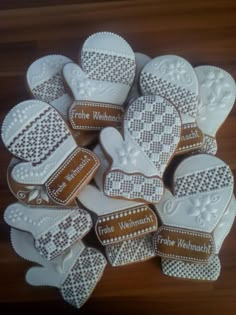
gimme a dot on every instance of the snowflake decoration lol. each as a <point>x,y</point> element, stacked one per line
<point>128,154</point>
<point>203,208</point>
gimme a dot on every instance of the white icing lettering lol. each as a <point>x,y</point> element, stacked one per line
<point>133,223</point>
<point>192,135</point>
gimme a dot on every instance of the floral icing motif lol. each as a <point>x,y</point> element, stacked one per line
<point>203,208</point>
<point>174,71</point>
<point>34,193</point>
<point>170,206</point>
<point>128,154</point>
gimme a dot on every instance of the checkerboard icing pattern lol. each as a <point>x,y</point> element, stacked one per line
<point>83,277</point>
<point>105,67</point>
<point>184,100</point>
<point>133,186</point>
<point>63,234</point>
<point>155,126</point>
<point>181,269</point>
<point>49,90</point>
<point>203,181</point>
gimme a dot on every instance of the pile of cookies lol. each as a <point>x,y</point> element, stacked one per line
<point>125,145</point>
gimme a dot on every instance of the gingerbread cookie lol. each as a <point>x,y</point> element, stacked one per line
<point>35,132</point>
<point>217,91</point>
<point>211,270</point>
<point>140,60</point>
<point>45,82</point>
<point>173,78</point>
<point>54,230</point>
<point>193,217</point>
<point>75,272</point>
<point>124,227</point>
<point>101,85</point>
<point>32,195</point>
<point>151,133</point>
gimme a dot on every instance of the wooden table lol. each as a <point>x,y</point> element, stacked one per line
<point>201,31</point>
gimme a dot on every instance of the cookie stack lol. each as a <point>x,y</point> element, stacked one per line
<point>125,145</point>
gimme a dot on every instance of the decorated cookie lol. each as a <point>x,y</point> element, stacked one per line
<point>35,132</point>
<point>54,230</point>
<point>101,85</point>
<point>32,195</point>
<point>124,227</point>
<point>75,272</point>
<point>173,78</point>
<point>140,60</point>
<point>45,82</point>
<point>194,217</point>
<point>211,270</point>
<point>151,133</point>
<point>217,93</point>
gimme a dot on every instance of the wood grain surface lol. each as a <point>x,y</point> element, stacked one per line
<point>203,32</point>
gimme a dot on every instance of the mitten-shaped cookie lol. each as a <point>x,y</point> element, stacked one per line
<point>75,272</point>
<point>151,133</point>
<point>36,133</point>
<point>54,230</point>
<point>211,270</point>
<point>202,191</point>
<point>101,85</point>
<point>124,227</point>
<point>32,195</point>
<point>45,82</point>
<point>173,78</point>
<point>140,60</point>
<point>217,93</point>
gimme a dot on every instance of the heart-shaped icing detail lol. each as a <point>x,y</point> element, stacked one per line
<point>217,91</point>
<point>203,187</point>
<point>174,78</point>
<point>45,81</point>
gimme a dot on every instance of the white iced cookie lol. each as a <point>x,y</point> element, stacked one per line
<point>210,271</point>
<point>140,60</point>
<point>151,133</point>
<point>45,81</point>
<point>101,85</point>
<point>217,91</point>
<point>36,133</point>
<point>202,189</point>
<point>75,272</point>
<point>173,78</point>
<point>54,230</point>
<point>200,210</point>
<point>124,227</point>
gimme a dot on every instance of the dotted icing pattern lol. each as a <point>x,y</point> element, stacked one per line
<point>182,232</point>
<point>40,137</point>
<point>79,182</point>
<point>63,234</point>
<point>184,100</point>
<point>83,277</point>
<point>130,251</point>
<point>155,126</point>
<point>50,90</point>
<point>181,269</point>
<point>134,186</point>
<point>203,181</point>
<point>122,214</point>
<point>106,67</point>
